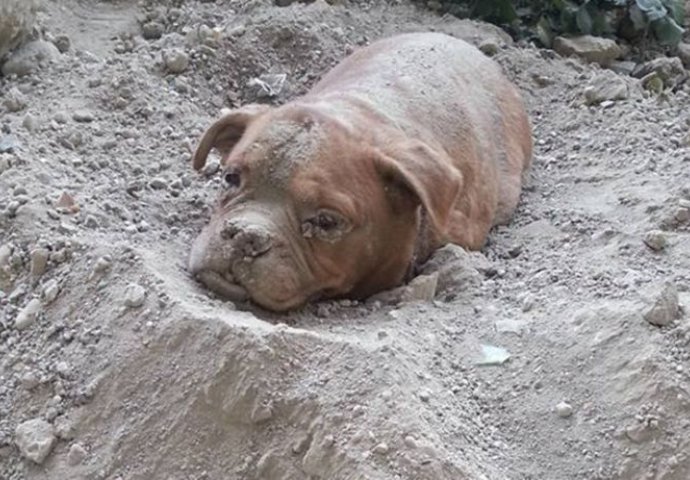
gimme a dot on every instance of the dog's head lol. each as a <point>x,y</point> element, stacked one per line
<point>311,209</point>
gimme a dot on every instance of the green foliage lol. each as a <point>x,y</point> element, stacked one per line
<point>545,19</point>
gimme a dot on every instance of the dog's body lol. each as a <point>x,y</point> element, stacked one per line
<point>413,142</point>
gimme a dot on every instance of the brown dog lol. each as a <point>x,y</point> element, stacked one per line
<point>410,143</point>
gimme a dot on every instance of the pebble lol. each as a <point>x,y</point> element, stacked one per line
<point>61,117</point>
<point>152,30</point>
<point>15,100</point>
<point>39,262</point>
<point>35,439</point>
<point>30,380</point>
<point>102,264</point>
<point>50,291</point>
<point>381,449</point>
<point>63,43</point>
<point>564,410</point>
<point>30,122</point>
<point>4,164</point>
<point>410,441</point>
<point>664,308</point>
<point>30,58</point>
<point>176,61</point>
<point>655,239</point>
<point>27,316</point>
<point>158,183</point>
<point>424,395</point>
<point>489,47</point>
<point>135,295</point>
<point>83,116</point>
<point>76,454</point>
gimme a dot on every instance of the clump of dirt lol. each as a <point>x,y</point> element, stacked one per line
<point>560,351</point>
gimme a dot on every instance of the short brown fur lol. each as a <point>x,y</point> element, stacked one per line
<point>414,126</point>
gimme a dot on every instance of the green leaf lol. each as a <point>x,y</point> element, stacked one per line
<point>600,24</point>
<point>584,20</point>
<point>544,32</point>
<point>638,19</point>
<point>676,8</point>
<point>668,31</point>
<point>654,9</point>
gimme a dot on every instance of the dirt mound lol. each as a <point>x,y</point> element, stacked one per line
<point>560,351</point>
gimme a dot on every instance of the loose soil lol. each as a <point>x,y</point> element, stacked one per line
<point>140,373</point>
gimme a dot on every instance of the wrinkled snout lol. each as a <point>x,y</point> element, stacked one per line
<point>219,250</point>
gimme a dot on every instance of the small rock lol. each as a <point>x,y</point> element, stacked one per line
<point>63,43</point>
<point>76,454</point>
<point>684,53</point>
<point>4,164</point>
<point>30,122</point>
<point>175,60</point>
<point>8,143</point>
<point>30,380</point>
<point>623,67</point>
<point>682,214</point>
<point>268,85</point>
<point>101,265</point>
<point>640,432</point>
<point>655,239</point>
<point>30,58</point>
<point>665,307</point>
<point>489,47</point>
<point>27,316</point>
<point>410,442</point>
<point>158,183</point>
<point>67,202</point>
<point>39,262</point>
<point>564,410</point>
<point>606,86</point>
<point>261,412</point>
<point>15,100</point>
<point>591,49</point>
<point>424,395</point>
<point>669,69</point>
<point>61,117</point>
<point>492,355</point>
<point>83,116</point>
<point>35,439</point>
<point>135,295</point>
<point>381,449</point>
<point>50,291</point>
<point>152,30</point>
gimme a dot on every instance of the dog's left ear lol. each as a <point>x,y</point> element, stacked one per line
<point>225,132</point>
<point>416,173</point>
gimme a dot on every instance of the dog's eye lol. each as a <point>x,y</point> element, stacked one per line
<point>326,225</point>
<point>326,221</point>
<point>231,179</point>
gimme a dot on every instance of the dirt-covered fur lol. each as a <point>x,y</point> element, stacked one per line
<point>324,196</point>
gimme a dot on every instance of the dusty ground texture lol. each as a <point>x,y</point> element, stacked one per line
<point>115,365</point>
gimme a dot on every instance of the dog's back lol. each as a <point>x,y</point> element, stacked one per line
<point>446,93</point>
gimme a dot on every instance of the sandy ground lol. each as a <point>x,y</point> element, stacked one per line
<point>115,365</point>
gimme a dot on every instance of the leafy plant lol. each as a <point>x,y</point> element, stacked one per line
<point>547,18</point>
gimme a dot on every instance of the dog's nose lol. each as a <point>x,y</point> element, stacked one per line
<point>247,240</point>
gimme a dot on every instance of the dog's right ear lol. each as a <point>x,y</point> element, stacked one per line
<point>225,132</point>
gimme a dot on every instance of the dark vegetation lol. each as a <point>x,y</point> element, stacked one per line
<point>542,20</point>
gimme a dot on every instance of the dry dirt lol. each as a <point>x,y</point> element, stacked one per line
<point>114,365</point>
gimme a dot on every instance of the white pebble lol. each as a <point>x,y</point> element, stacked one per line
<point>35,439</point>
<point>27,316</point>
<point>564,410</point>
<point>76,454</point>
<point>135,295</point>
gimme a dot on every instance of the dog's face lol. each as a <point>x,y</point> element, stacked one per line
<point>309,211</point>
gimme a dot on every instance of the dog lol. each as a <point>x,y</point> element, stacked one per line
<point>410,143</point>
